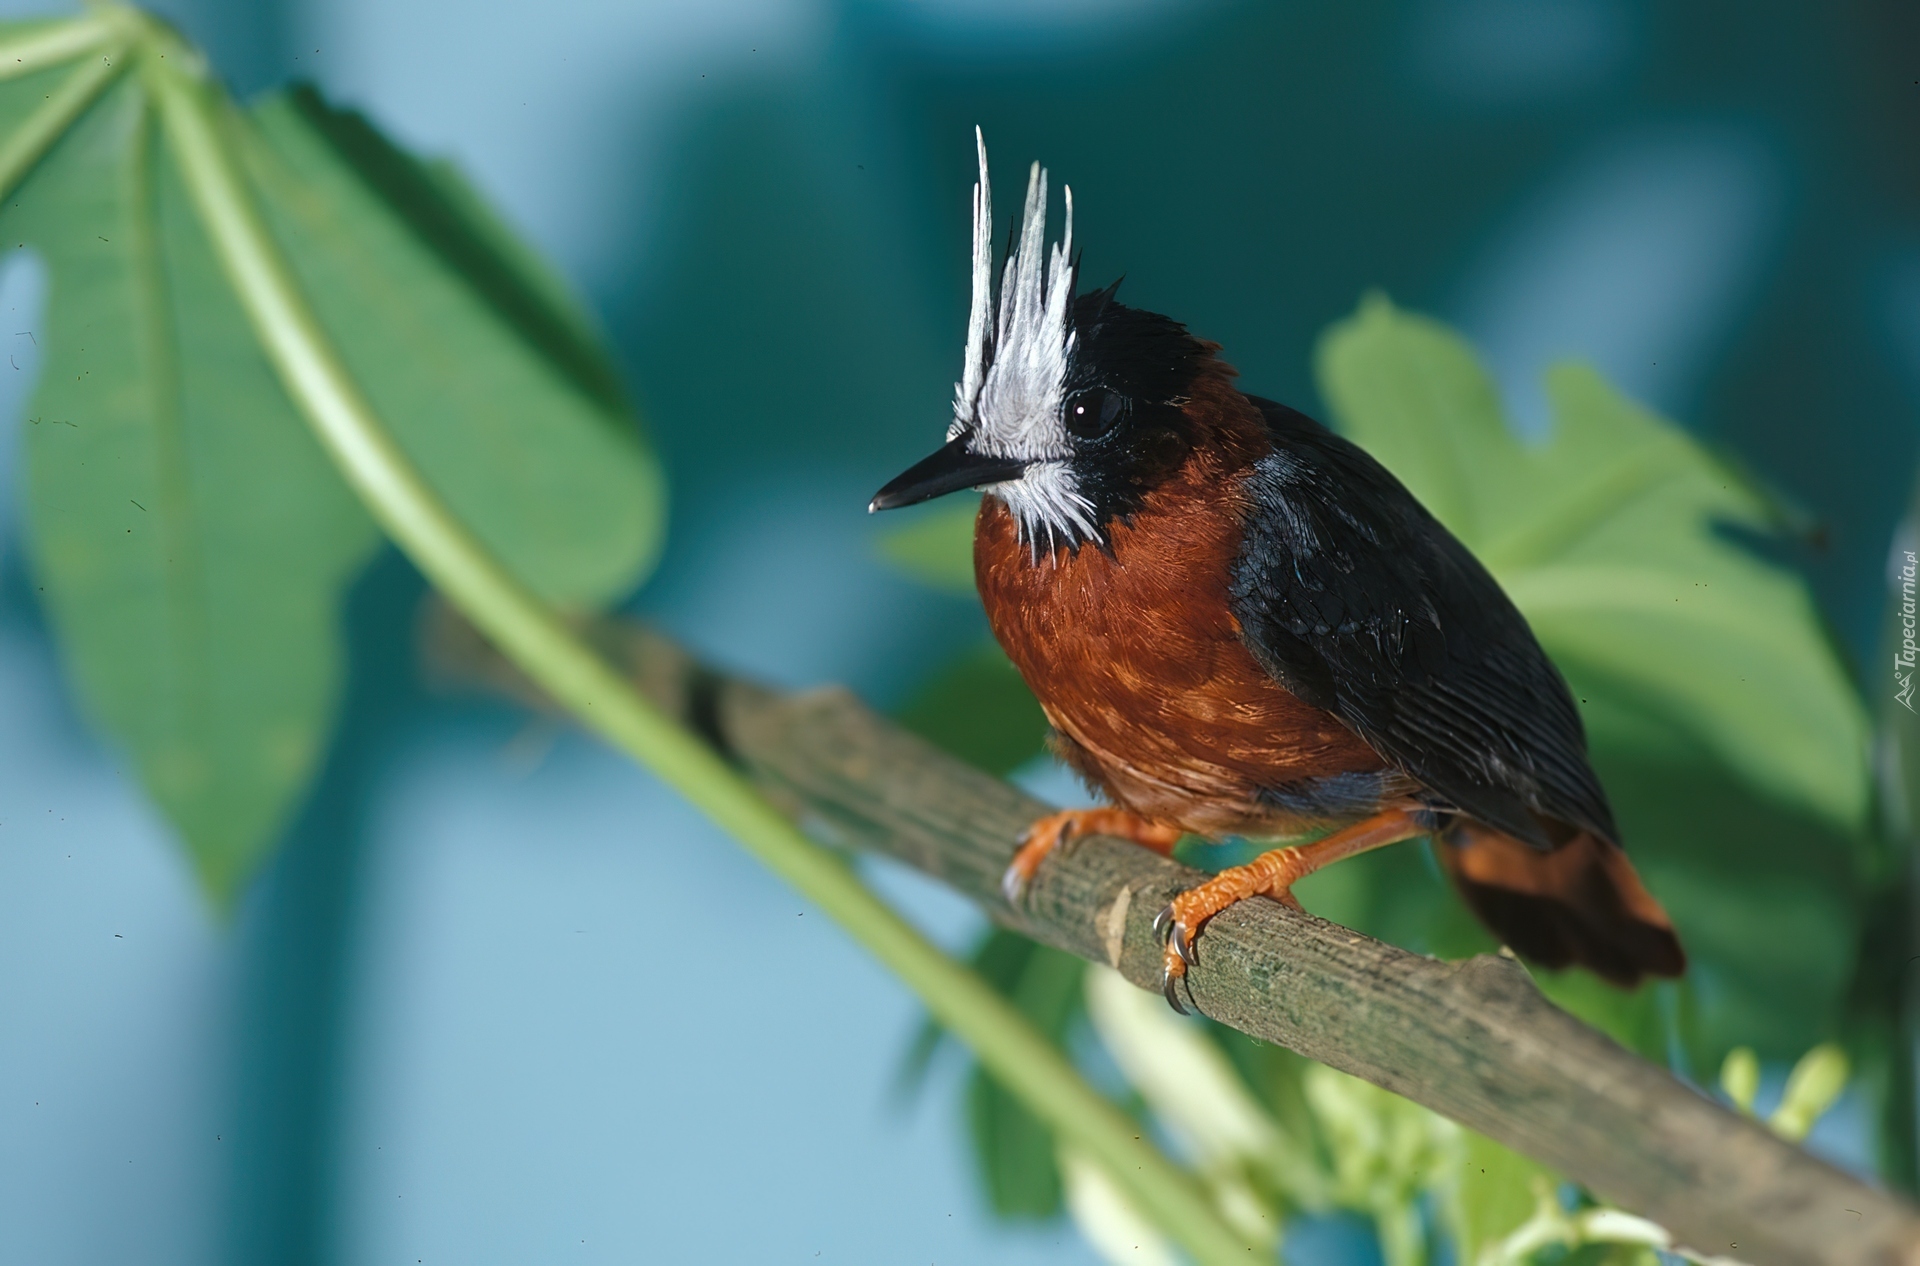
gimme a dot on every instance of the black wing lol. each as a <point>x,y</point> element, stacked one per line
<point>1358,601</point>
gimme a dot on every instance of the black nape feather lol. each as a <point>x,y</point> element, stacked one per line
<point>1151,362</point>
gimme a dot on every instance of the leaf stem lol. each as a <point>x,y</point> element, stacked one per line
<point>529,634</point>
<point>63,41</point>
<point>38,131</point>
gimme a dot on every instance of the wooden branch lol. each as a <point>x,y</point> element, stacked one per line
<point>1473,1040</point>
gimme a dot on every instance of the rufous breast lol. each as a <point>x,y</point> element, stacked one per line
<point>1138,661</point>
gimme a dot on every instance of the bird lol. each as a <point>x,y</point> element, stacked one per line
<point>1241,625</point>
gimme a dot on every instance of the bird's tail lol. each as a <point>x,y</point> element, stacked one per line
<point>1579,903</point>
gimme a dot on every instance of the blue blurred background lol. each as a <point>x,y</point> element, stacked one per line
<point>468,1014</point>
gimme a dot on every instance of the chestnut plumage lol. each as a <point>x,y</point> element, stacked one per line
<point>1239,623</point>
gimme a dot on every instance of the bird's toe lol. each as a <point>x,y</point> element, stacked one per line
<point>1183,941</point>
<point>1175,934</point>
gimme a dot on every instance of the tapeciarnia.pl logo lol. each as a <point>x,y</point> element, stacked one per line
<point>1904,661</point>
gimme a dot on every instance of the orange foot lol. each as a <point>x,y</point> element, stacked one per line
<point>1272,874</point>
<point>1056,829</point>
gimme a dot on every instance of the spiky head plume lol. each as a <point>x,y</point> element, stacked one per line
<point>1019,350</point>
<point>1068,409</point>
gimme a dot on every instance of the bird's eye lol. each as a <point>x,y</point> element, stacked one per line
<point>1091,414</point>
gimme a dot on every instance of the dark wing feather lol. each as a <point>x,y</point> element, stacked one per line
<point>1358,601</point>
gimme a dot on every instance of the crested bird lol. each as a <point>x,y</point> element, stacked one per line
<point>1239,623</point>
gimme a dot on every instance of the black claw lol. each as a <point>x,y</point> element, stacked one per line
<point>1163,920</point>
<point>1170,985</point>
<point>1185,944</point>
<point>1013,885</point>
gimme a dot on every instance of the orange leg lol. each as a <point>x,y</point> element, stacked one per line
<point>1272,874</point>
<point>1060,828</point>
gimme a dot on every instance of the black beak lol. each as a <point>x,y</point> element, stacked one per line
<point>949,470</point>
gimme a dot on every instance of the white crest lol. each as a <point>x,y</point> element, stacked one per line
<point>1009,398</point>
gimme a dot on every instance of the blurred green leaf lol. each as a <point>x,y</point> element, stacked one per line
<point>1604,1254</point>
<point>191,540</point>
<point>1277,1077</point>
<point>978,709</point>
<point>936,548</point>
<point>1735,870</point>
<point>1495,1194</point>
<point>1636,1019</point>
<point>1411,392</point>
<point>1615,537</point>
<point>489,380</point>
<point>1813,1086</point>
<point>1387,1154</point>
<point>1014,1150</point>
<point>1400,896</point>
<point>1740,1077</point>
<point>1877,1034</point>
<point>1019,1167</point>
<point>1719,716</point>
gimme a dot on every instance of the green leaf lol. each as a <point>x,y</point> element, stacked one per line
<point>1615,537</point>
<point>1770,899</point>
<point>1596,533</point>
<point>936,547</point>
<point>1398,895</point>
<point>1411,392</point>
<point>1638,1019</point>
<point>1276,1077</point>
<point>1496,1194</point>
<point>1016,1152</point>
<point>1740,1077</point>
<point>490,378</point>
<point>1813,1086</point>
<point>1719,717</point>
<point>191,541</point>
<point>979,709</point>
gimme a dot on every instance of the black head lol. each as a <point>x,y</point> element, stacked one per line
<point>1070,409</point>
<point>1128,379</point>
